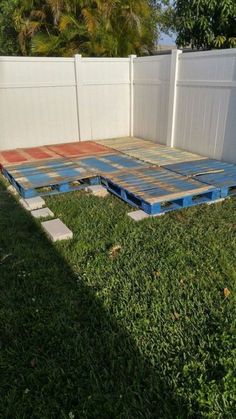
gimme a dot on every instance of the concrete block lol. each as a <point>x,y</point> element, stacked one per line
<point>31,204</point>
<point>42,213</point>
<point>216,201</point>
<point>141,215</point>
<point>97,190</point>
<point>56,230</point>
<point>138,215</point>
<point>12,190</point>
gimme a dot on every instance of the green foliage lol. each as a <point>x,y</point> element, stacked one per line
<point>89,27</point>
<point>206,23</point>
<point>8,34</point>
<point>143,332</point>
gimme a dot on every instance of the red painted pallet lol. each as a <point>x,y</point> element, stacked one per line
<point>26,155</point>
<point>77,149</point>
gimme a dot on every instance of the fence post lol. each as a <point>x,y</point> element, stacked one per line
<point>78,59</point>
<point>172,97</point>
<point>131,78</point>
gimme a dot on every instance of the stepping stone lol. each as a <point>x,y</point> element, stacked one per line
<point>12,190</point>
<point>141,215</point>
<point>42,213</point>
<point>31,204</point>
<point>216,201</point>
<point>138,215</point>
<point>56,230</point>
<point>97,190</point>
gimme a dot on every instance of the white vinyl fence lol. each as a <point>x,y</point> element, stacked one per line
<point>206,104</point>
<point>55,100</point>
<point>151,97</point>
<point>188,101</point>
<point>185,100</point>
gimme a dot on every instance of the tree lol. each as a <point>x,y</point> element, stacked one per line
<point>206,23</point>
<point>89,27</point>
<point>8,34</point>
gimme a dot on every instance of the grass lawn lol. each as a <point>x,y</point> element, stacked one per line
<point>127,320</point>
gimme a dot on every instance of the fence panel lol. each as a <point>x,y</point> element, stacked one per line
<point>104,97</point>
<point>151,96</point>
<point>37,101</point>
<point>206,104</point>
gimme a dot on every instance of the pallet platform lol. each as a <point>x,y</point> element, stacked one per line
<point>150,152</point>
<point>156,190</point>
<point>150,176</point>
<point>212,172</point>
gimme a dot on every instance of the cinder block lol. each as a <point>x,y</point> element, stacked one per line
<point>31,204</point>
<point>141,215</point>
<point>42,213</point>
<point>56,230</point>
<point>216,201</point>
<point>138,215</point>
<point>97,190</point>
<point>12,190</point>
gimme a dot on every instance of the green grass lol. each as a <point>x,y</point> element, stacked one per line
<point>143,332</point>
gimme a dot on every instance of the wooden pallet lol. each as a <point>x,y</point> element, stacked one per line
<point>49,178</point>
<point>212,172</point>
<point>25,155</point>
<point>150,152</point>
<point>110,163</point>
<point>156,190</point>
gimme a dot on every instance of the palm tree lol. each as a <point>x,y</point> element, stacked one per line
<point>90,27</point>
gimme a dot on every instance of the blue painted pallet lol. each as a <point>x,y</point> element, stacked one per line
<point>212,172</point>
<point>49,178</point>
<point>110,163</point>
<point>156,190</point>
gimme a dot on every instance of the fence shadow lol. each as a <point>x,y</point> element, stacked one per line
<point>62,354</point>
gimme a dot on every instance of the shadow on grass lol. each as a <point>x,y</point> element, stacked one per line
<point>62,354</point>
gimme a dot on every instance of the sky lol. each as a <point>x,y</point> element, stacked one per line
<point>166,39</point>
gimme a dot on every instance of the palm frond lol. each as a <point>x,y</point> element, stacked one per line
<point>91,20</point>
<point>56,7</point>
<point>45,45</point>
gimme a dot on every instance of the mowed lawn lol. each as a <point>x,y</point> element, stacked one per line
<point>127,320</point>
